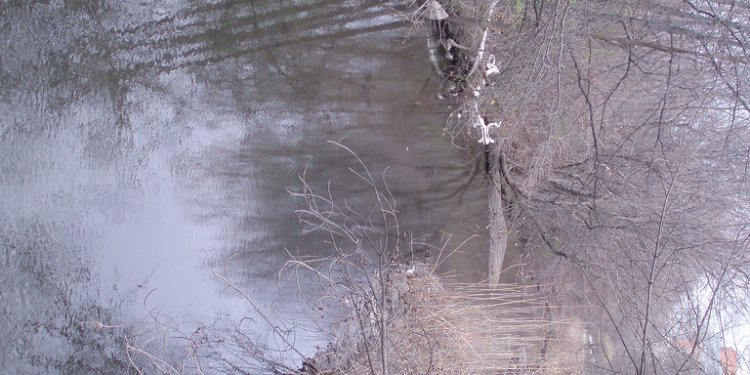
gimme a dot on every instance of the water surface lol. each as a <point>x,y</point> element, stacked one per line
<point>147,146</point>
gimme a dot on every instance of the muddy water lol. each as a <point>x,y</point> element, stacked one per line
<point>147,146</point>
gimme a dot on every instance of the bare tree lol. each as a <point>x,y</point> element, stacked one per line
<point>623,163</point>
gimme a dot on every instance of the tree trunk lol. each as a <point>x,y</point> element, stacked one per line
<point>497,226</point>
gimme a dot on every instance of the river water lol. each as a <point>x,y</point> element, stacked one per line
<point>146,147</point>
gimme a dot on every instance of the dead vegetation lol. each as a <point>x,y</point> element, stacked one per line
<point>622,163</point>
<point>400,318</point>
<point>437,328</point>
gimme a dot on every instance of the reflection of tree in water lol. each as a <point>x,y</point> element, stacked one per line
<point>49,304</point>
<point>80,50</point>
<point>203,35</point>
<point>287,68</point>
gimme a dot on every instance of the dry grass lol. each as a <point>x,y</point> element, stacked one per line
<point>448,328</point>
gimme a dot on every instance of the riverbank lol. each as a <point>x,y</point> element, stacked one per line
<point>399,316</point>
<point>612,135</point>
<point>438,327</point>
